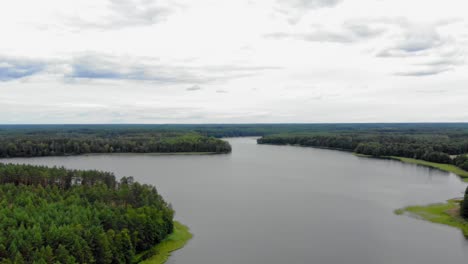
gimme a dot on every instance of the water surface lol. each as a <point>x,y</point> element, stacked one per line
<point>291,205</point>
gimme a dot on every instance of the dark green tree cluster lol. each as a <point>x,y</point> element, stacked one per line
<point>325,141</point>
<point>411,150</point>
<point>461,161</point>
<point>433,148</point>
<point>54,144</point>
<point>54,215</point>
<point>464,206</point>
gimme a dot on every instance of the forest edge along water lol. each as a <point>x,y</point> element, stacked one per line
<point>242,200</point>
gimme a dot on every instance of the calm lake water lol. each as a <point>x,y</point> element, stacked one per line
<point>282,204</point>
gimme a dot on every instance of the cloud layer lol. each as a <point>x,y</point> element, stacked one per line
<point>153,61</point>
<point>16,68</point>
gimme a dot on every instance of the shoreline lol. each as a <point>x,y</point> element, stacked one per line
<point>439,166</point>
<point>441,213</point>
<point>148,153</point>
<point>160,253</point>
<point>122,153</point>
<point>302,146</point>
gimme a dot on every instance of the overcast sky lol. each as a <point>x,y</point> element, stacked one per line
<point>226,61</point>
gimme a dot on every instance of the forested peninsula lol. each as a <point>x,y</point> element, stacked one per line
<point>61,142</point>
<point>55,215</point>
<point>448,148</point>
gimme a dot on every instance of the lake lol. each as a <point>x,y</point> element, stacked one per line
<point>265,204</point>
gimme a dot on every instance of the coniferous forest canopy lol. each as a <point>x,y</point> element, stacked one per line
<point>55,215</point>
<point>59,142</point>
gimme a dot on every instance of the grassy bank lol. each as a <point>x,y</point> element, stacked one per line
<point>445,213</point>
<point>440,166</point>
<point>162,252</point>
<point>445,167</point>
<point>186,153</point>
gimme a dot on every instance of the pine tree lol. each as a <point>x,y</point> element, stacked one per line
<point>19,259</point>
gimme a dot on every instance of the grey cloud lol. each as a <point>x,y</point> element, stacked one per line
<point>313,4</point>
<point>17,68</point>
<point>294,10</point>
<point>426,72</point>
<point>139,12</point>
<point>128,13</point>
<point>235,68</point>
<point>439,91</point>
<point>227,72</point>
<point>363,31</point>
<point>427,51</point>
<point>97,66</point>
<point>414,42</point>
<point>327,36</point>
<point>94,66</point>
<point>349,32</point>
<point>194,88</point>
<point>105,67</point>
<point>445,57</point>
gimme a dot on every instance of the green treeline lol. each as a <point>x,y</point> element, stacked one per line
<point>236,130</point>
<point>54,143</point>
<point>433,148</point>
<point>55,215</point>
<point>464,206</point>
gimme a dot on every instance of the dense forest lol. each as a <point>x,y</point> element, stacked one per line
<point>430,147</point>
<point>74,142</point>
<point>464,206</point>
<point>237,130</point>
<point>426,141</point>
<point>54,215</point>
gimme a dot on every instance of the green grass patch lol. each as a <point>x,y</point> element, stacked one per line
<point>444,213</point>
<point>161,252</point>
<point>399,211</point>
<point>362,155</point>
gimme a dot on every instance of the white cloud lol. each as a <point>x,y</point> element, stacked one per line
<point>294,10</point>
<point>348,32</point>
<point>428,51</point>
<point>167,61</point>
<point>116,14</point>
